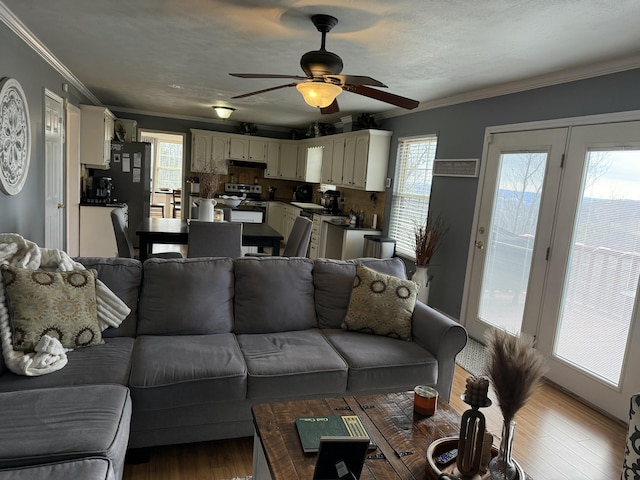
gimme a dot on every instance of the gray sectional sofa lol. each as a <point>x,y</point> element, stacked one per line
<point>206,339</point>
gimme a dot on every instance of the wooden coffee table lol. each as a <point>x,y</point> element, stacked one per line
<point>402,436</point>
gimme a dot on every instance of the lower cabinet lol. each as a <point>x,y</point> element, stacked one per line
<point>97,237</point>
<point>344,243</point>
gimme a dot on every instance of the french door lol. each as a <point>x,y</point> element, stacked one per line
<point>557,254</point>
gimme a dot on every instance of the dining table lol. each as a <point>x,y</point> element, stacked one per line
<point>176,231</point>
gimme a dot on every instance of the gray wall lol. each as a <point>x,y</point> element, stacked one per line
<point>461,130</point>
<point>24,213</point>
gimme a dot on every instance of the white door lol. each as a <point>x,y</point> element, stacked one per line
<point>521,177</point>
<point>557,254</point>
<point>54,171</point>
<point>593,342</point>
<point>73,180</point>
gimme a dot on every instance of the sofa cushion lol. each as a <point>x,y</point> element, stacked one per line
<point>378,363</point>
<point>290,364</point>
<point>189,296</point>
<point>68,423</point>
<point>186,370</point>
<point>58,304</point>
<point>381,304</point>
<point>333,281</point>
<point>107,363</point>
<point>86,469</point>
<point>274,294</point>
<point>123,277</point>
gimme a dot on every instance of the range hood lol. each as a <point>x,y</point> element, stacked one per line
<point>247,163</point>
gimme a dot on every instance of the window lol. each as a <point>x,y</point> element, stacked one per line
<point>169,166</point>
<point>412,190</point>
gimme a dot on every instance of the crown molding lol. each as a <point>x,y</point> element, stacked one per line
<point>16,26</point>
<point>541,81</point>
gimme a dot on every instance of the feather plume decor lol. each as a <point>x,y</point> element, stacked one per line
<point>515,369</point>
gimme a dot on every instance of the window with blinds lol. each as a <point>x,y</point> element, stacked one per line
<point>412,189</point>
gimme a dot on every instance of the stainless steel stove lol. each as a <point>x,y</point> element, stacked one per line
<point>253,193</point>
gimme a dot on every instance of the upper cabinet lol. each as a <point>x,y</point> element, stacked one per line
<point>209,151</point>
<point>355,160</point>
<point>96,132</point>
<point>247,148</point>
<point>366,157</point>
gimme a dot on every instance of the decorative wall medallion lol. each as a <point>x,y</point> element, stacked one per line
<point>15,137</point>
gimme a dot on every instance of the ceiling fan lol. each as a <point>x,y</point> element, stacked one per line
<point>323,82</point>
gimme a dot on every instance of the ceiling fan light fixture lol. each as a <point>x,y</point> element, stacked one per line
<point>223,112</point>
<point>318,94</point>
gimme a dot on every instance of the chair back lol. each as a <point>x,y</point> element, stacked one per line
<point>299,238</point>
<point>214,239</point>
<point>176,202</point>
<point>125,246</point>
<point>631,465</point>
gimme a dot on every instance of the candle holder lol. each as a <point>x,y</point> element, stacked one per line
<point>474,444</point>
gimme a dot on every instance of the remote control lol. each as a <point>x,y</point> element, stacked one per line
<point>446,457</point>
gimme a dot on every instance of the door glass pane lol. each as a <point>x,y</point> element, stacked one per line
<point>511,237</point>
<point>604,263</point>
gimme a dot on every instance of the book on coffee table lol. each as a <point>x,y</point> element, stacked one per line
<point>311,429</point>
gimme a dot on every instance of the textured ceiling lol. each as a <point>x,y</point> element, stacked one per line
<point>133,54</point>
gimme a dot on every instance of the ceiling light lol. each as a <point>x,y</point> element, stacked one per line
<point>224,112</point>
<point>318,94</point>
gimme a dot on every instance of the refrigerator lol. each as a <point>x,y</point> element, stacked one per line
<point>130,171</point>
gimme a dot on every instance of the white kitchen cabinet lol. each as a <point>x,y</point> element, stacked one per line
<point>96,132</point>
<point>290,215</point>
<point>288,161</point>
<point>366,157</point>
<point>333,161</point>
<point>209,151</point>
<point>273,159</point>
<point>318,243</point>
<point>97,237</point>
<point>344,243</point>
<point>242,147</point>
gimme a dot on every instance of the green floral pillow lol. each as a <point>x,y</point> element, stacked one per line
<point>381,304</point>
<point>59,304</point>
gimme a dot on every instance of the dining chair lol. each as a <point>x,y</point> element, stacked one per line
<point>123,242</point>
<point>214,239</point>
<point>631,465</point>
<point>176,202</point>
<point>298,243</point>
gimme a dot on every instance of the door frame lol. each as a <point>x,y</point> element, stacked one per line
<point>630,116</point>
<point>73,187</point>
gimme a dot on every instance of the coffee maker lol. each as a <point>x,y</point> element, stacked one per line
<point>102,191</point>
<point>331,201</point>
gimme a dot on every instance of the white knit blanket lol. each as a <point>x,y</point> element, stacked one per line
<point>50,355</point>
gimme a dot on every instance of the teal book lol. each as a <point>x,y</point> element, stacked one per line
<point>310,429</point>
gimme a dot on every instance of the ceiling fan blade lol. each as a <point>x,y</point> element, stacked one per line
<point>265,90</point>
<point>333,108</point>
<point>356,80</point>
<point>265,75</point>
<point>387,97</point>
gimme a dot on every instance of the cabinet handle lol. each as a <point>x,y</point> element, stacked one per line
<point>61,205</point>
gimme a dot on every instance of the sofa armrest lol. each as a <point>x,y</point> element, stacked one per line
<point>441,336</point>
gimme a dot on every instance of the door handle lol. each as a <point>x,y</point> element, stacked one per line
<point>61,205</point>
<point>479,245</point>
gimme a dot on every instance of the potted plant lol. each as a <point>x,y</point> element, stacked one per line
<point>428,238</point>
<point>208,188</point>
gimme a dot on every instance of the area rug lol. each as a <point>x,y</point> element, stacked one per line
<point>473,358</point>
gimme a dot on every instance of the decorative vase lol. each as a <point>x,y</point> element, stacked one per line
<point>205,210</point>
<point>502,467</point>
<point>421,277</point>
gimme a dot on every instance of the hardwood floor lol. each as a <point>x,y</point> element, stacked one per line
<point>557,438</point>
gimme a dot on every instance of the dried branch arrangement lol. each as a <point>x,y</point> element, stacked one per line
<point>209,184</point>
<point>515,369</point>
<point>428,238</point>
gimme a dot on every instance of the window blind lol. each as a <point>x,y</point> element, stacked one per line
<point>412,190</point>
